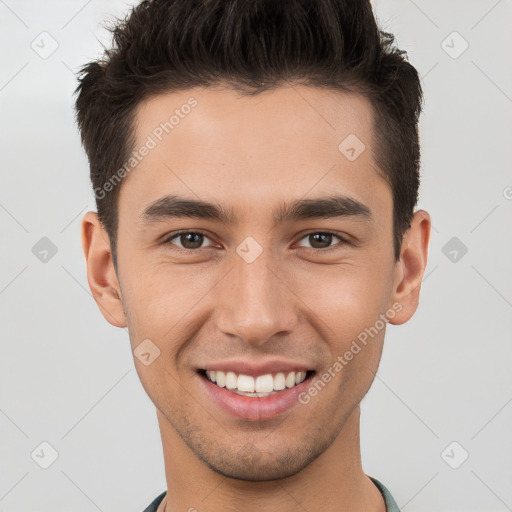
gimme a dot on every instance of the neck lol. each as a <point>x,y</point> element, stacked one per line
<point>333,482</point>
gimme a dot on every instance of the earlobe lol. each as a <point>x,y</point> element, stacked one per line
<point>101,274</point>
<point>411,267</point>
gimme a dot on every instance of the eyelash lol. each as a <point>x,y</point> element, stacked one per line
<point>343,240</point>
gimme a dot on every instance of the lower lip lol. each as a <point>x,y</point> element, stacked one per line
<point>255,408</point>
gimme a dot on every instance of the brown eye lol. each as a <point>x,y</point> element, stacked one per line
<point>188,240</point>
<point>191,240</point>
<point>321,240</point>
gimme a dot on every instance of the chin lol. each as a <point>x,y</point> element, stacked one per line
<point>250,464</point>
<point>257,473</point>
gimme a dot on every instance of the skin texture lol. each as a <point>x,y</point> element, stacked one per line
<point>208,304</point>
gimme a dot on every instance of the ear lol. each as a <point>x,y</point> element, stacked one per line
<point>410,268</point>
<point>101,273</point>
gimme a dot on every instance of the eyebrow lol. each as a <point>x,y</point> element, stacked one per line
<point>171,206</point>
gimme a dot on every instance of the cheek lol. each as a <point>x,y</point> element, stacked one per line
<point>161,300</point>
<point>340,300</point>
<point>345,298</point>
<point>345,306</point>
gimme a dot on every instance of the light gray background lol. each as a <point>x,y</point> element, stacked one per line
<point>67,377</point>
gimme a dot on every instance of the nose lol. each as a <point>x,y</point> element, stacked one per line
<point>255,300</point>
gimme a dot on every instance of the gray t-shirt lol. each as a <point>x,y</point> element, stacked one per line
<point>391,505</point>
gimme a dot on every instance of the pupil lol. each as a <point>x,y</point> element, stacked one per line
<point>323,239</point>
<point>316,236</point>
<point>195,244</point>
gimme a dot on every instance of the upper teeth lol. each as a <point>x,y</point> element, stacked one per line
<point>261,384</point>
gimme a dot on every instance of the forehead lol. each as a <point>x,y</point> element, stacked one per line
<point>307,111</point>
<point>216,143</point>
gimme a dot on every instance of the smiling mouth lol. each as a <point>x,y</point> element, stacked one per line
<point>259,386</point>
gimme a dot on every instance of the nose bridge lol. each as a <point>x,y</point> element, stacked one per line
<point>255,304</point>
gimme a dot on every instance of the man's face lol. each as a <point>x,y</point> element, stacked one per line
<point>258,288</point>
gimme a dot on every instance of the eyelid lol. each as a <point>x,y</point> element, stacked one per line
<point>343,239</point>
<point>174,234</point>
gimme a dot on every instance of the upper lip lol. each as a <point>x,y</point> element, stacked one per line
<point>255,368</point>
